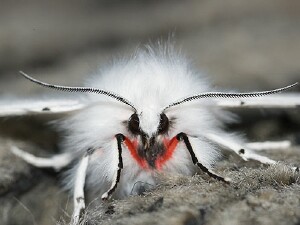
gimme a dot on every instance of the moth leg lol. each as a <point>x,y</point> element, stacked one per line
<point>183,137</point>
<point>268,145</point>
<point>120,138</point>
<point>242,151</point>
<point>56,162</point>
<point>78,198</point>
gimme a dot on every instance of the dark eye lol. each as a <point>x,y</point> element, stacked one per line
<point>134,124</point>
<point>163,124</point>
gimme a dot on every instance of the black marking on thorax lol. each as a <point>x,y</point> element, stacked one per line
<point>152,153</point>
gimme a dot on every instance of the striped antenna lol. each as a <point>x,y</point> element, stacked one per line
<point>229,95</point>
<point>80,89</point>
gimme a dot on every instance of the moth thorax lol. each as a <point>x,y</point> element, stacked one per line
<point>149,121</point>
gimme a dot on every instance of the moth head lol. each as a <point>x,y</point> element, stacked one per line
<point>148,124</point>
<point>149,129</point>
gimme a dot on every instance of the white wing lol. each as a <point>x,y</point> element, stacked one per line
<point>23,107</point>
<point>288,100</point>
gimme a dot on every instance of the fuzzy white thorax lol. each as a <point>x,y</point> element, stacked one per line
<point>149,120</point>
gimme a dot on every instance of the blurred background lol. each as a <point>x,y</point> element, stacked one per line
<point>242,45</point>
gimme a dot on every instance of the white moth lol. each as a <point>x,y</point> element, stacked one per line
<point>149,114</point>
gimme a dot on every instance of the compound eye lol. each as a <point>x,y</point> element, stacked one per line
<point>134,124</point>
<point>163,126</point>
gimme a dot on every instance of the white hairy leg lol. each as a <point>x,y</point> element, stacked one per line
<point>78,198</point>
<point>23,107</point>
<point>287,100</point>
<point>113,184</point>
<point>242,150</point>
<point>268,145</point>
<point>56,162</point>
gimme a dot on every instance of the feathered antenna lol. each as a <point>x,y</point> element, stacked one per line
<point>229,95</point>
<point>80,89</point>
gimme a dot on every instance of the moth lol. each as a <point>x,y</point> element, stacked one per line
<point>152,113</point>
